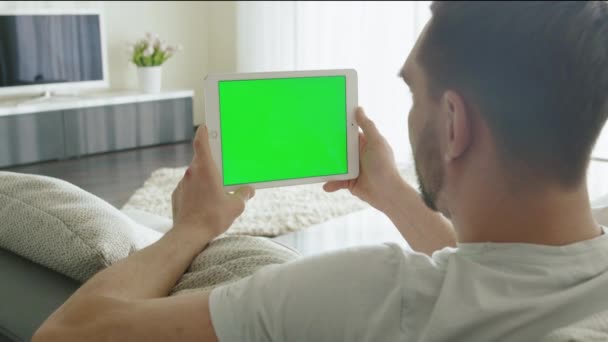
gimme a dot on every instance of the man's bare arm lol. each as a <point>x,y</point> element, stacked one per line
<point>124,302</point>
<point>425,230</point>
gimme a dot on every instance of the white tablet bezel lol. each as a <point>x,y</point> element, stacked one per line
<point>212,120</point>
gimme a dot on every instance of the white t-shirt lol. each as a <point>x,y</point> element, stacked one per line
<point>476,292</point>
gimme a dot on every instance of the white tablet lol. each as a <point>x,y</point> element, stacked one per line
<point>274,129</point>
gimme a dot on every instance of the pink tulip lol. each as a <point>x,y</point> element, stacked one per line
<point>148,51</point>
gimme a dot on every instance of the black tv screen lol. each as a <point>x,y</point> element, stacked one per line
<point>43,49</point>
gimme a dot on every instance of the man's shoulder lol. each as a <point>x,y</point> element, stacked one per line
<point>416,260</point>
<point>389,256</point>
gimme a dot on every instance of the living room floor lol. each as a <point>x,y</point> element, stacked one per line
<point>115,176</point>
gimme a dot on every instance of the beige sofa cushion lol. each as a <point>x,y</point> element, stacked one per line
<point>232,258</point>
<point>75,233</point>
<point>63,227</point>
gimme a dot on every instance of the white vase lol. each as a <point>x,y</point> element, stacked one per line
<point>149,78</point>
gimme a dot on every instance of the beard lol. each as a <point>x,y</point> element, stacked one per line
<point>428,165</point>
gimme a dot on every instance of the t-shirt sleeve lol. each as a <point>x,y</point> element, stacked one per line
<point>354,294</point>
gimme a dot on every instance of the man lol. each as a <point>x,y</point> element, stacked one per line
<point>509,99</point>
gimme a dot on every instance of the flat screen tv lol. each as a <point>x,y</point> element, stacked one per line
<point>50,51</point>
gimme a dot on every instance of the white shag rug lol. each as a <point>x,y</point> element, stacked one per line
<point>271,212</point>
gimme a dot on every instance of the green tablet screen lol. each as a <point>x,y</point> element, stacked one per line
<point>282,128</point>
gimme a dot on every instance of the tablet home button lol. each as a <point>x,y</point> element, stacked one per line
<point>213,134</point>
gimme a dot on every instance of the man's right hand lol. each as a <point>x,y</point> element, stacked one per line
<point>378,174</point>
<point>380,184</point>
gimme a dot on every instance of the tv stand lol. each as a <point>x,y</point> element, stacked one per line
<point>45,128</point>
<point>46,96</point>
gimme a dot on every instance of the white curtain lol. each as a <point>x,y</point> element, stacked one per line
<point>372,37</point>
<point>597,176</point>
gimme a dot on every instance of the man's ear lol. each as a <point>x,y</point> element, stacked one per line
<point>458,125</point>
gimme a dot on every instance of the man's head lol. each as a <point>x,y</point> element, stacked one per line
<point>533,74</point>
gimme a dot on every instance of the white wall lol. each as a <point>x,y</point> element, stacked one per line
<point>207,30</point>
<point>221,43</point>
<point>176,21</point>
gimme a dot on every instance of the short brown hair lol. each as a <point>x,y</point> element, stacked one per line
<point>537,71</point>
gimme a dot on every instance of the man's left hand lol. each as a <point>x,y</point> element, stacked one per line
<point>199,201</point>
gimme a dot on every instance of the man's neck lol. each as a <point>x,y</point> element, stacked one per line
<point>548,217</point>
